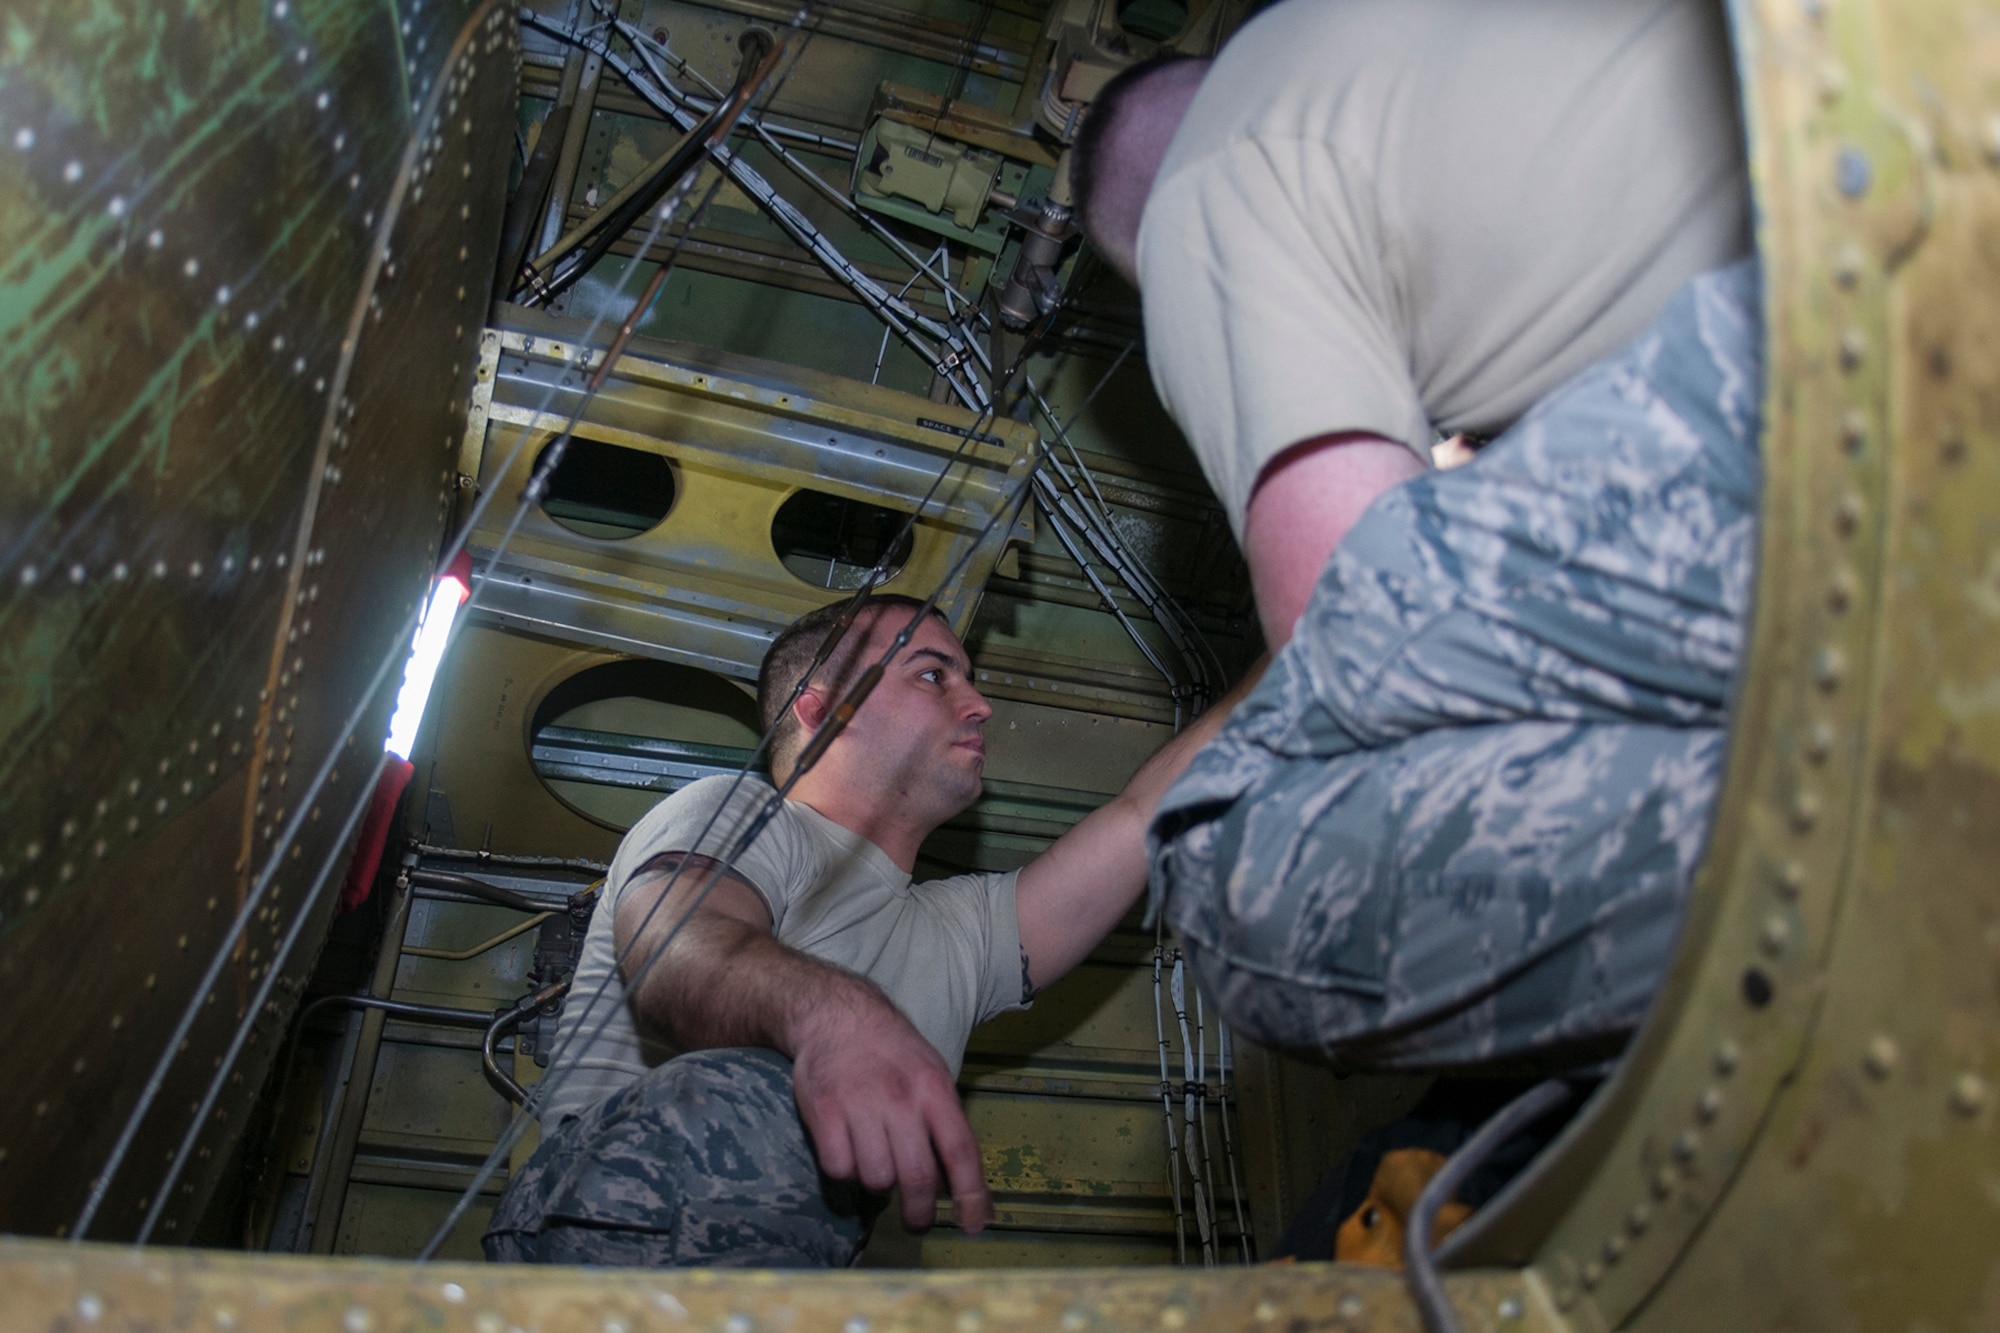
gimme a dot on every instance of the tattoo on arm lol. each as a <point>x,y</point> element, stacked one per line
<point>1027,982</point>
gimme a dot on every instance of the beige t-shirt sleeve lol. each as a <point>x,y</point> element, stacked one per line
<point>1270,318</point>
<point>978,910</point>
<point>707,817</point>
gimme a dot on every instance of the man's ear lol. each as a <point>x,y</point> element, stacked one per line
<point>811,708</point>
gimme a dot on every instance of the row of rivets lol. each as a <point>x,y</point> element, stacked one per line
<point>357,1319</point>
<point>121,571</point>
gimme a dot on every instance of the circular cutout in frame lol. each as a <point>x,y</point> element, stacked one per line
<point>832,542</point>
<point>614,740</point>
<point>608,491</point>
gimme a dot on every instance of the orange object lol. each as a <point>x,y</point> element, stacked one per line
<point>1373,1234</point>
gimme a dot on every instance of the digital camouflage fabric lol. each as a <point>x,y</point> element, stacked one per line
<point>703,1162</point>
<point>1456,821</point>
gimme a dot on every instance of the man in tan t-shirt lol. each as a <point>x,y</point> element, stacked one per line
<point>1456,822</point>
<point>799,1032</point>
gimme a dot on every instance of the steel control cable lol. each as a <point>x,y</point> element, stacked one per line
<point>748,829</point>
<point>398,651</point>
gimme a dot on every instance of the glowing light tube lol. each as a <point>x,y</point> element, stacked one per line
<point>425,657</point>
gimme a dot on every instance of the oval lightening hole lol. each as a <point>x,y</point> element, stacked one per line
<point>608,491</point>
<point>613,740</point>
<point>831,542</point>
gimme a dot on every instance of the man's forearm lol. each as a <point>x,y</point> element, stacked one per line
<point>876,1097</point>
<point>723,982</point>
<point>1070,896</point>
<point>1142,794</point>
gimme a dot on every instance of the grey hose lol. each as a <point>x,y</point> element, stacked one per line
<point>1419,1260</point>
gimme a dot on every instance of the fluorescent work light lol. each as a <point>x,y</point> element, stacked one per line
<point>450,591</point>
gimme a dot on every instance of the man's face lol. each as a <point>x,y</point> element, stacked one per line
<point>917,739</point>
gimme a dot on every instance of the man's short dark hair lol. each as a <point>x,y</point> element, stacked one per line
<point>791,655</point>
<point>1086,154</point>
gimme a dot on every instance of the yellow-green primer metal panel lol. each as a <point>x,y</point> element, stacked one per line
<point>1832,1179</point>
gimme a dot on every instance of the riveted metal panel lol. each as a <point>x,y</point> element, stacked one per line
<point>705,586</point>
<point>1792,1142</point>
<point>246,244</point>
<point>124,1289</point>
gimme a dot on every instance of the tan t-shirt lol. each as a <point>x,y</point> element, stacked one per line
<point>947,951</point>
<point>1417,216</point>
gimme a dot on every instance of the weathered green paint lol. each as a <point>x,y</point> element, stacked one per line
<point>210,456</point>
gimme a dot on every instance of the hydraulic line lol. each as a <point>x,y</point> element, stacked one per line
<point>587,228</point>
<point>475,888</point>
<point>1165,609</point>
<point>1177,689</point>
<point>503,1025</point>
<point>747,832</point>
<point>524,213</point>
<point>1201,1094</point>
<point>1103,538</point>
<point>1058,509</point>
<point>648,49</point>
<point>1167,1094</point>
<point>904,320</point>
<point>755,45</point>
<point>1190,1164</point>
<point>461,955</point>
<point>1191,1128</point>
<point>471,1019</point>
<point>882,352</point>
<point>1420,1268</point>
<point>1224,1069</point>
<point>253,899</point>
<point>473,951</point>
<point>504,860</point>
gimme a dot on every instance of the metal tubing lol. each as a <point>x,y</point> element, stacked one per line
<point>583,230</point>
<point>643,45</point>
<point>563,184</point>
<point>525,212</point>
<point>420,1013</point>
<point>461,955</point>
<point>755,45</point>
<point>324,1222</point>
<point>905,321</point>
<point>504,1024</point>
<point>477,888</point>
<point>515,862</point>
<point>1420,1266</point>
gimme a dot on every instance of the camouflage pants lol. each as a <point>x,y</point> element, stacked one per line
<point>702,1163</point>
<point>1456,821</point>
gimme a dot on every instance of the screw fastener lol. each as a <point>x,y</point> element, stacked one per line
<point>1777,933</point>
<point>1881,1057</point>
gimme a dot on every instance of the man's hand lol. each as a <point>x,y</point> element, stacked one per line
<point>882,1108</point>
<point>876,1097</point>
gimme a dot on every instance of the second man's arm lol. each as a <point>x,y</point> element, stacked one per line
<point>1069,897</point>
